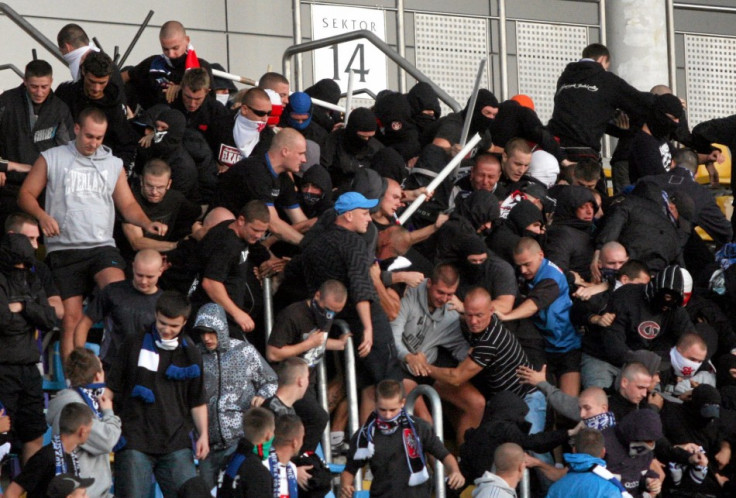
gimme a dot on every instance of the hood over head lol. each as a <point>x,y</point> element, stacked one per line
<point>479,123</point>
<point>212,317</point>
<point>318,175</point>
<point>389,163</point>
<point>670,281</point>
<point>569,199</point>
<point>15,248</point>
<point>506,406</point>
<point>325,89</point>
<point>640,425</point>
<point>479,208</point>
<point>523,214</point>
<point>361,119</point>
<point>370,184</point>
<point>423,97</point>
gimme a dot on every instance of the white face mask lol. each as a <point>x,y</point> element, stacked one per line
<point>74,58</point>
<point>222,98</point>
<point>637,448</point>
<point>682,366</point>
<point>159,135</point>
<point>246,133</point>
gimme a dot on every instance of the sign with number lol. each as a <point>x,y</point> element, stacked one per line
<point>359,56</point>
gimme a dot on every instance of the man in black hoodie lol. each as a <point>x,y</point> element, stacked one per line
<point>524,220</point>
<point>23,309</point>
<point>586,100</point>
<point>425,109</point>
<point>96,89</point>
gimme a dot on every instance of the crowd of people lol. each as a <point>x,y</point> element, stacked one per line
<point>580,332</point>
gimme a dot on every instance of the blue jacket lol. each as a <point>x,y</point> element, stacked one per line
<point>554,321</point>
<point>580,482</point>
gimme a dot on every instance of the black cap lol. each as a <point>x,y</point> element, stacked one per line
<point>63,485</point>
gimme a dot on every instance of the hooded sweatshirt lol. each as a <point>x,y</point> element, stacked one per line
<point>79,192</point>
<point>581,482</point>
<point>233,374</point>
<point>492,486</point>
<point>569,242</point>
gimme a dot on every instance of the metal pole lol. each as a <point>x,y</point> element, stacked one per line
<point>297,18</point>
<point>34,33</point>
<point>471,103</point>
<point>401,42</point>
<point>504,69</point>
<point>267,306</point>
<point>135,39</point>
<point>671,58</point>
<point>351,388</point>
<point>602,21</point>
<point>322,393</point>
<point>233,77</point>
<point>440,177</point>
<point>436,406</point>
<point>327,105</point>
<point>349,96</point>
<point>524,487</point>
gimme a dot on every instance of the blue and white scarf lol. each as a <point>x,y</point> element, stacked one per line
<point>274,468</point>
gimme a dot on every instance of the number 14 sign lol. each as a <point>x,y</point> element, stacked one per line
<point>359,56</point>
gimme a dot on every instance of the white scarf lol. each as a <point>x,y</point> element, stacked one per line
<point>74,58</point>
<point>167,344</point>
<point>246,134</point>
<point>682,366</point>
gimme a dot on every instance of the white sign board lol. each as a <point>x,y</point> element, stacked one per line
<point>366,61</point>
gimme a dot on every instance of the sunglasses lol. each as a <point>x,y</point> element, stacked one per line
<point>258,113</point>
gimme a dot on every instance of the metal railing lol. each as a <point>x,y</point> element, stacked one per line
<point>267,307</point>
<point>351,389</point>
<point>436,407</point>
<point>34,33</point>
<point>380,45</point>
<point>13,68</point>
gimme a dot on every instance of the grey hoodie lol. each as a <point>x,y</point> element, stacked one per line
<point>233,374</point>
<point>491,486</point>
<point>94,454</point>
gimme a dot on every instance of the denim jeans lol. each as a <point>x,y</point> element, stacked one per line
<point>209,468</point>
<point>134,470</point>
<point>598,373</point>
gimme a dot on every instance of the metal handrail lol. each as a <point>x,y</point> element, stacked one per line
<point>360,90</point>
<point>29,28</point>
<point>351,389</point>
<point>322,395</point>
<point>135,39</point>
<point>13,68</point>
<point>380,45</point>
<point>267,307</point>
<point>436,406</point>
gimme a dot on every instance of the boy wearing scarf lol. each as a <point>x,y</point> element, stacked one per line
<point>394,444</point>
<point>157,379</point>
<point>57,457</point>
<point>87,385</point>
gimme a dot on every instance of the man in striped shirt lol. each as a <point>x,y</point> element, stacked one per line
<point>489,368</point>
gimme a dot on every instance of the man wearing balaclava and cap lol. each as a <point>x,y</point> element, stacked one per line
<point>351,148</point>
<point>167,144</point>
<point>651,150</point>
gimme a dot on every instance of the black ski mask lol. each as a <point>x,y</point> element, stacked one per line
<point>361,119</point>
<point>661,125</point>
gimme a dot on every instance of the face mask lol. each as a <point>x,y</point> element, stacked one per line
<point>263,450</point>
<point>486,232</point>
<point>608,274</point>
<point>311,199</point>
<point>177,62</point>
<point>222,98</point>
<point>682,366</point>
<point>297,125</point>
<point>710,411</point>
<point>323,316</point>
<point>250,124</point>
<point>600,421</point>
<point>637,448</point>
<point>475,269</point>
<point>158,136</point>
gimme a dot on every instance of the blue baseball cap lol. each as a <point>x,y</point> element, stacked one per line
<point>353,200</point>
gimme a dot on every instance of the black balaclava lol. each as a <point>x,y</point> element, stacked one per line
<point>523,214</point>
<point>172,139</point>
<point>705,403</point>
<point>659,124</point>
<point>479,208</point>
<point>479,123</point>
<point>318,176</point>
<point>388,163</point>
<point>361,119</point>
<point>15,248</point>
<point>668,281</point>
<point>469,245</point>
<point>422,97</point>
<point>329,91</point>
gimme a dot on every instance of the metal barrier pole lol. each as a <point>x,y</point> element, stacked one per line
<point>671,59</point>
<point>327,105</point>
<point>401,42</point>
<point>471,103</point>
<point>503,72</point>
<point>234,77</point>
<point>267,307</point>
<point>13,68</point>
<point>322,393</point>
<point>296,9</point>
<point>135,39</point>
<point>351,387</point>
<point>380,45</point>
<point>349,96</point>
<point>436,406</point>
<point>524,487</point>
<point>29,28</point>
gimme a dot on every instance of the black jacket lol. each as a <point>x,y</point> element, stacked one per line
<point>251,479</point>
<point>342,163</point>
<point>119,136</point>
<point>514,120</point>
<point>19,142</point>
<point>503,422</point>
<point>641,224</point>
<point>586,99</point>
<point>569,241</point>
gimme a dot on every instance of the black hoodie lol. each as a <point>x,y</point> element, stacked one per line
<point>569,242</point>
<point>586,99</point>
<point>503,422</point>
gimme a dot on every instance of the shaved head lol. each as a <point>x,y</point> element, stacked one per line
<point>508,457</point>
<point>217,216</point>
<point>287,137</point>
<point>148,257</point>
<point>171,29</point>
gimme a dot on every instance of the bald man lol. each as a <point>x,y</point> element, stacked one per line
<point>128,307</point>
<point>267,177</point>
<point>548,303</point>
<point>509,463</point>
<point>156,80</point>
